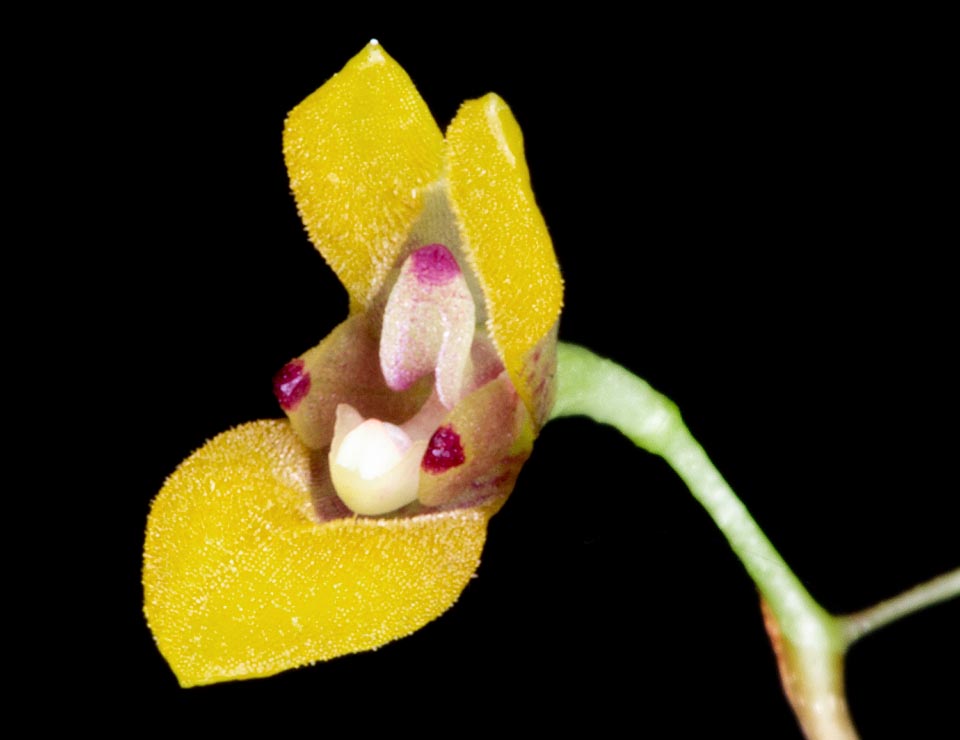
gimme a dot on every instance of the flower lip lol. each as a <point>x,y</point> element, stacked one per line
<point>374,465</point>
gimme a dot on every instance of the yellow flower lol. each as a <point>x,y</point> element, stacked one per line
<point>282,543</point>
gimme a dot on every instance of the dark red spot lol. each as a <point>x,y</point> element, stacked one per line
<point>443,452</point>
<point>434,265</point>
<point>291,384</point>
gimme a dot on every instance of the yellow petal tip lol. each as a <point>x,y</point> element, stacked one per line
<point>359,152</point>
<point>505,236</point>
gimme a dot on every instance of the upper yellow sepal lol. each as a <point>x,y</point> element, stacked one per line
<point>241,580</point>
<point>359,152</point>
<point>504,236</point>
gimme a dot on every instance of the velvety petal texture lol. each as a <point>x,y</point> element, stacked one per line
<point>360,151</point>
<point>241,580</point>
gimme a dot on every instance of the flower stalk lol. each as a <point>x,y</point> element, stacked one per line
<point>809,642</point>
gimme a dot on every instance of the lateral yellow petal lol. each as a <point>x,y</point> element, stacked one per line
<point>504,236</point>
<point>359,153</point>
<point>241,581</point>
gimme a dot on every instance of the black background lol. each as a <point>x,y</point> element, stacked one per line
<point>749,213</point>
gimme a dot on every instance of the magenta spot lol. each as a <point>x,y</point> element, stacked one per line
<point>434,265</point>
<point>443,452</point>
<point>291,384</point>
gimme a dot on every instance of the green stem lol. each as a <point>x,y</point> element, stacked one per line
<point>602,390</point>
<point>809,642</point>
<point>932,592</point>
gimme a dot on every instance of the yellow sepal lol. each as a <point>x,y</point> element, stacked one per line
<point>505,238</point>
<point>241,579</point>
<point>359,153</point>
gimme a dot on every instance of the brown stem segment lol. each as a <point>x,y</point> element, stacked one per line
<point>813,683</point>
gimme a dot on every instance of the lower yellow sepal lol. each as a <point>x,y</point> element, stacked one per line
<point>242,580</point>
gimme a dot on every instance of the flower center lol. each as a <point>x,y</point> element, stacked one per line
<point>428,324</point>
<point>428,327</point>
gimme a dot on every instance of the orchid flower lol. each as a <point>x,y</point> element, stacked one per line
<point>362,516</point>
